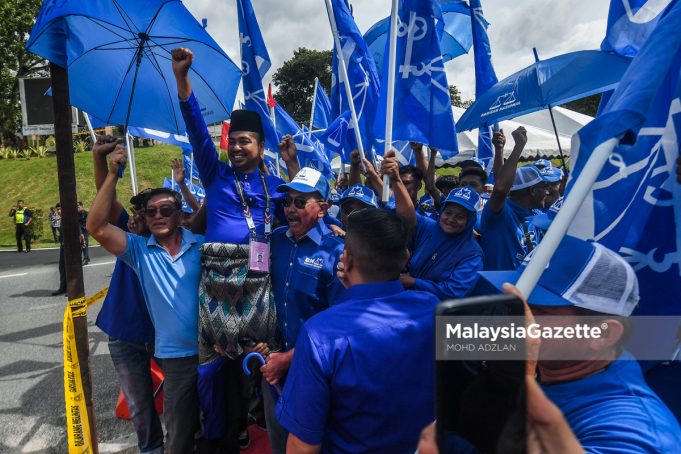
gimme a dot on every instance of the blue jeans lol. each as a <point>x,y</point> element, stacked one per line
<point>131,361</point>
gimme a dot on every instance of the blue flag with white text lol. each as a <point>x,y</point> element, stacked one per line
<point>485,77</point>
<point>255,61</point>
<point>362,75</point>
<point>321,116</point>
<point>630,22</point>
<point>422,107</point>
<point>190,170</point>
<point>634,206</point>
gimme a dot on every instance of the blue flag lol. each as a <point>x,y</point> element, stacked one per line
<point>338,137</point>
<point>485,77</point>
<point>255,61</point>
<point>321,117</point>
<point>309,155</point>
<point>190,170</point>
<point>362,74</point>
<point>161,136</point>
<point>634,207</point>
<point>422,108</point>
<point>630,22</point>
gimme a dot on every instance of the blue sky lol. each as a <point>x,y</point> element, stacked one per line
<point>553,26</point>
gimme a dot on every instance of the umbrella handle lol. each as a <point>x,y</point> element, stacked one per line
<point>244,364</point>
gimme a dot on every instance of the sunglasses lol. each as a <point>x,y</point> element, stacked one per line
<point>166,211</point>
<point>298,202</point>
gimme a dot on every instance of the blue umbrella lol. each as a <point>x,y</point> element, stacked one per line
<point>117,53</point>
<point>543,84</point>
<point>455,33</point>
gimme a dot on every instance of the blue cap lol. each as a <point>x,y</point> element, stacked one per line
<point>583,274</point>
<point>472,161</point>
<point>551,174</point>
<point>525,177</point>
<point>334,197</point>
<point>307,180</point>
<point>361,193</point>
<point>426,199</point>
<point>466,197</point>
<point>544,220</point>
<point>541,163</point>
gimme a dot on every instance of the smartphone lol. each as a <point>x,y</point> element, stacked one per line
<point>480,404</point>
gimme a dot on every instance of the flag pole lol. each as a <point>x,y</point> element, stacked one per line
<point>314,101</point>
<point>344,75</point>
<point>131,159</point>
<point>93,136</point>
<point>191,167</point>
<point>274,124</point>
<point>559,227</point>
<point>390,95</point>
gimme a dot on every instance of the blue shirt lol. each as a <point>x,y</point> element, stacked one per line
<point>171,290</point>
<point>225,220</point>
<point>614,411</point>
<point>124,313</point>
<point>304,278</point>
<point>362,377</point>
<point>445,265</point>
<point>503,237</point>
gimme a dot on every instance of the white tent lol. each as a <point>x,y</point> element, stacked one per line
<point>541,140</point>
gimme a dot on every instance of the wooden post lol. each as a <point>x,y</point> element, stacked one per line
<point>70,228</point>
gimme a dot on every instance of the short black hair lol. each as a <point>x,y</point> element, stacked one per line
<point>163,191</point>
<point>446,182</point>
<point>411,170</point>
<point>477,171</point>
<point>381,260</point>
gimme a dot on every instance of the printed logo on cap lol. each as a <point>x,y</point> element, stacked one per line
<point>307,176</point>
<point>463,193</point>
<point>356,191</point>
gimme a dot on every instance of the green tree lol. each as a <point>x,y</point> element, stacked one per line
<point>587,106</point>
<point>16,20</point>
<point>455,96</point>
<point>295,81</point>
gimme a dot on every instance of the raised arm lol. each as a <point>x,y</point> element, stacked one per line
<point>108,235</point>
<point>100,150</point>
<point>419,156</point>
<point>499,141</point>
<point>504,179</point>
<point>179,174</point>
<point>355,176</point>
<point>404,207</point>
<point>289,153</point>
<point>205,155</point>
<point>430,180</point>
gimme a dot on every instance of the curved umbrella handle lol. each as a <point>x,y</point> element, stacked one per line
<point>244,364</point>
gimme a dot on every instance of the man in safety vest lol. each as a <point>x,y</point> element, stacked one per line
<point>23,218</point>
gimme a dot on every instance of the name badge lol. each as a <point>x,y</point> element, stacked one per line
<point>259,255</point>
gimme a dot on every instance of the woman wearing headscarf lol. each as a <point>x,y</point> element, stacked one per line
<point>446,257</point>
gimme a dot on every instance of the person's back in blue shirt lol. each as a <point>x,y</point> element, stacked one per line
<point>614,411</point>
<point>503,239</point>
<point>124,313</point>
<point>303,276</point>
<point>350,388</point>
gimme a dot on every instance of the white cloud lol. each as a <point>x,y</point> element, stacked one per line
<point>554,27</point>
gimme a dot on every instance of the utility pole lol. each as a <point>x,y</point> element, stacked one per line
<point>71,232</point>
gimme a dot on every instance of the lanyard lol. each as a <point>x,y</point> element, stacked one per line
<point>247,210</point>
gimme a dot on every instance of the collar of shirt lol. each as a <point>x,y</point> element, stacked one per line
<point>316,233</point>
<point>188,239</point>
<point>521,212</point>
<point>370,291</point>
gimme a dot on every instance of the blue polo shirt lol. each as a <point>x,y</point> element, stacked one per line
<point>503,238</point>
<point>614,411</point>
<point>304,276</point>
<point>124,313</point>
<point>362,377</point>
<point>171,289</point>
<point>224,214</point>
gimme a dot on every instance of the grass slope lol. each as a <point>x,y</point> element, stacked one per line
<point>35,181</point>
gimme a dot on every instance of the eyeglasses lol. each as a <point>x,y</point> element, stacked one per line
<point>298,202</point>
<point>166,211</point>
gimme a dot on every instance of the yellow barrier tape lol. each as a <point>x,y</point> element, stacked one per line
<point>77,422</point>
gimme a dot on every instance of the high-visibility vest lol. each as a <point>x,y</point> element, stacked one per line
<point>19,216</point>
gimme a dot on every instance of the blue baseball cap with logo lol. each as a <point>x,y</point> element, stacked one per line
<point>334,198</point>
<point>467,197</point>
<point>472,162</point>
<point>308,180</point>
<point>582,274</point>
<point>541,163</point>
<point>361,193</point>
<point>525,177</point>
<point>551,174</point>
